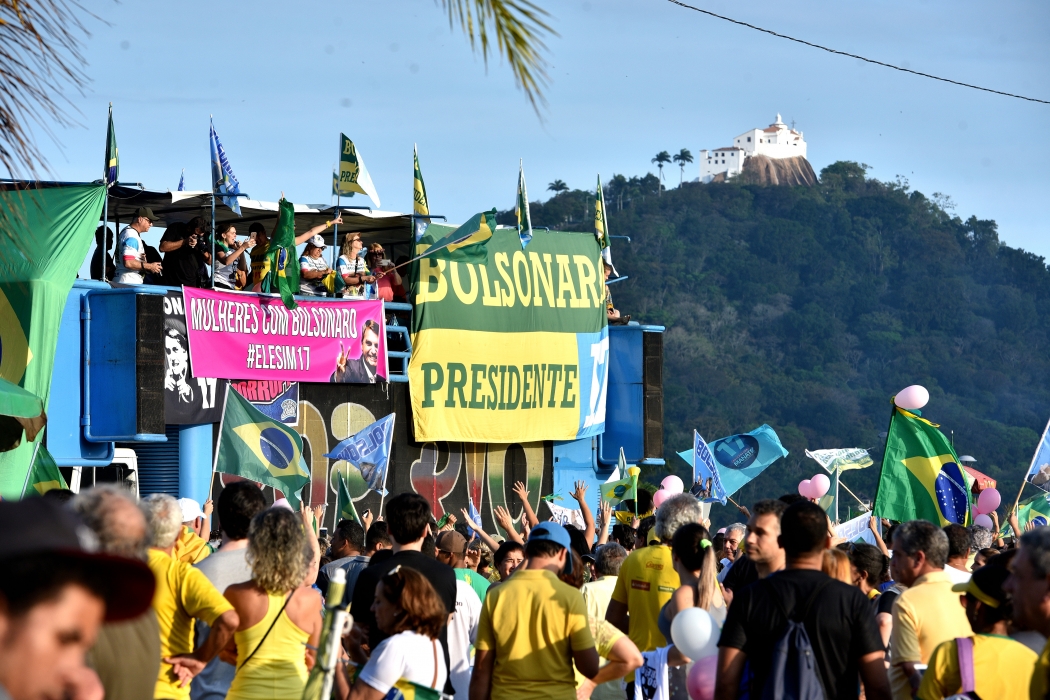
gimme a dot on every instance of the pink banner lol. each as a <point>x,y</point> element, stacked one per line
<point>245,336</point>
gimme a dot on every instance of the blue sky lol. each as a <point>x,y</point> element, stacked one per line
<point>629,79</point>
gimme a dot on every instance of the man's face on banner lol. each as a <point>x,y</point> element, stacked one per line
<point>370,348</point>
<point>177,357</point>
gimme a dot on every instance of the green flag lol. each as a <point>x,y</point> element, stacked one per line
<point>44,239</point>
<point>112,169</point>
<point>521,209</point>
<point>1035,510</point>
<point>601,226</point>
<point>347,511</point>
<point>467,242</point>
<point>921,477</point>
<point>625,489</point>
<point>284,267</point>
<point>256,447</point>
<point>44,475</point>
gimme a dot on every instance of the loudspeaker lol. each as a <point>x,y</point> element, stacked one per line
<point>653,384</point>
<point>149,363</point>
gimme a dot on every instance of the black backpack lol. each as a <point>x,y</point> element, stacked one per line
<point>794,674</point>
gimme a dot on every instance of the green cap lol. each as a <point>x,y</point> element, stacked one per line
<point>146,213</point>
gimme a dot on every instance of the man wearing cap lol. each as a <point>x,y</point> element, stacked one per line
<point>451,549</point>
<point>56,589</point>
<point>313,268</point>
<point>999,667</point>
<point>534,628</point>
<point>260,261</point>
<point>184,594</point>
<point>192,546</point>
<point>132,256</point>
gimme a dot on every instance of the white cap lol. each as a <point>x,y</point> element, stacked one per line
<point>191,510</point>
<point>282,503</point>
<point>317,241</point>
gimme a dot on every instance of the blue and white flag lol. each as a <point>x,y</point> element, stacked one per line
<point>705,471</point>
<point>182,180</point>
<point>369,451</point>
<point>740,458</point>
<point>223,181</point>
<point>1039,470</point>
<point>475,516</point>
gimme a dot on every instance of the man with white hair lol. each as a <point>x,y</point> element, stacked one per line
<point>192,546</point>
<point>183,595</point>
<point>647,578</point>
<point>126,655</point>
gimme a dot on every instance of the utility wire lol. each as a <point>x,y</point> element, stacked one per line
<point>852,55</point>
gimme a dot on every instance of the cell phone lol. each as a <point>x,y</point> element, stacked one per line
<point>386,262</point>
<point>323,532</point>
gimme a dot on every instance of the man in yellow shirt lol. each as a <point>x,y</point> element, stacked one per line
<point>926,614</point>
<point>183,594</point>
<point>192,546</point>
<point>1001,667</point>
<point>1029,589</point>
<point>533,628</point>
<point>647,578</point>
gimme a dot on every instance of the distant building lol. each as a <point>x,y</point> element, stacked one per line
<point>775,141</point>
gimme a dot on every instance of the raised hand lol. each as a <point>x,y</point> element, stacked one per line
<point>580,493</point>
<point>503,518</point>
<point>604,513</point>
<point>209,507</point>
<point>520,491</point>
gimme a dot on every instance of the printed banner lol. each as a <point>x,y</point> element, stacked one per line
<point>188,399</point>
<point>369,452</point>
<point>707,484</point>
<point>277,400</point>
<point>243,336</point>
<point>509,345</point>
<point>857,530</point>
<point>841,459</point>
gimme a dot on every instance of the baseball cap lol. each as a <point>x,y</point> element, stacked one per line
<point>316,241</point>
<point>191,510</point>
<point>452,542</point>
<point>39,526</point>
<point>553,532</point>
<point>986,583</point>
<point>146,213</point>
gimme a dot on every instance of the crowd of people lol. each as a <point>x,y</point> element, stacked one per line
<point>184,258</point>
<point>103,596</point>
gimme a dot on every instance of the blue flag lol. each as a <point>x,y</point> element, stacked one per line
<point>704,469</point>
<point>369,451</point>
<point>1039,471</point>
<point>182,180</point>
<point>740,458</point>
<point>223,180</point>
<point>475,516</point>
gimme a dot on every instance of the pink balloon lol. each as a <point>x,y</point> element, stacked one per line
<point>805,488</point>
<point>983,521</point>
<point>673,484</point>
<point>701,680</point>
<point>988,501</point>
<point>912,397</point>
<point>819,485</point>
<point>660,496</point>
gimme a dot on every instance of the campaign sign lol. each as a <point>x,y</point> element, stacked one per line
<point>277,400</point>
<point>247,336</point>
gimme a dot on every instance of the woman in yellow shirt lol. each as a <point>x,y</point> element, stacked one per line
<point>280,614</point>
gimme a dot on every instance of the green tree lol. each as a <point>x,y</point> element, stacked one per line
<point>557,187</point>
<point>682,157</point>
<point>662,158</point>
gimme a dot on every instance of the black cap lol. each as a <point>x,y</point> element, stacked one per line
<point>146,213</point>
<point>39,526</point>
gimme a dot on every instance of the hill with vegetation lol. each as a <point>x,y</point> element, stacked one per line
<point>807,308</point>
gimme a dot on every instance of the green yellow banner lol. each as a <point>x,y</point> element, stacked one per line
<point>509,345</point>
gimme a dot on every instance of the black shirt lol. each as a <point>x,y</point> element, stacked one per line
<point>840,626</point>
<point>182,267</point>
<point>441,576</point>
<point>742,573</point>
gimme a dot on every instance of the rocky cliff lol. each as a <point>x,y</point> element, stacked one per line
<point>763,170</point>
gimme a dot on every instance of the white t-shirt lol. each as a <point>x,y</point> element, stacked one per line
<point>651,679</point>
<point>129,245</point>
<point>311,286</point>
<point>462,631</point>
<point>355,266</point>
<point>957,575</point>
<point>406,655</point>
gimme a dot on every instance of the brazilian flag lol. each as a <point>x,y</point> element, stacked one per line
<point>284,266</point>
<point>112,169</point>
<point>256,447</point>
<point>345,504</point>
<point>625,489</point>
<point>44,475</point>
<point>921,478</point>
<point>468,240</point>
<point>1035,510</point>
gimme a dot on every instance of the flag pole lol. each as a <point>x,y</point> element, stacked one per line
<point>893,412</point>
<point>1032,464</point>
<point>338,203</point>
<point>32,462</point>
<point>210,132</point>
<point>105,206</point>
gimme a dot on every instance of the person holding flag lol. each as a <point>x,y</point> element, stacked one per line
<point>271,269</point>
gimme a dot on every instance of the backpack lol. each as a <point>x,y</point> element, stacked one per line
<point>794,674</point>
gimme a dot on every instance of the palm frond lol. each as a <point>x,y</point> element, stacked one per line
<point>518,27</point>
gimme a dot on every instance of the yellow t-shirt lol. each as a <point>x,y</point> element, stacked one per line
<point>1002,668</point>
<point>1040,684</point>
<point>533,622</point>
<point>190,548</point>
<point>183,593</point>
<point>260,264</point>
<point>605,636</point>
<point>924,616</point>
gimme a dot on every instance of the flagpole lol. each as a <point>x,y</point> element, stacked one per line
<point>893,412</point>
<point>211,130</point>
<point>431,252</point>
<point>29,473</point>
<point>1032,464</point>
<point>338,204</point>
<point>105,207</point>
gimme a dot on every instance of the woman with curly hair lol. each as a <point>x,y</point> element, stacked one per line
<point>408,609</point>
<point>280,614</point>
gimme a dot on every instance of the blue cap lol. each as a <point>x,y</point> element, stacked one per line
<point>553,532</point>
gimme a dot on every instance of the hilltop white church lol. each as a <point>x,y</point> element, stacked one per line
<point>775,141</point>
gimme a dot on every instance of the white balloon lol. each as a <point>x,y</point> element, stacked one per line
<point>912,397</point>
<point>695,633</point>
